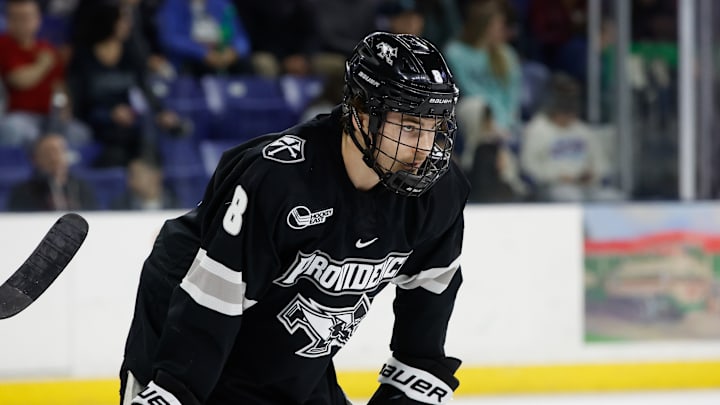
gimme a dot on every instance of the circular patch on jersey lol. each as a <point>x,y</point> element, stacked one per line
<point>287,149</point>
<point>301,217</point>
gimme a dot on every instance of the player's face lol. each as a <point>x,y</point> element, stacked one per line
<point>404,141</point>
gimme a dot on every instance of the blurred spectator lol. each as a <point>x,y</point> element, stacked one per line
<point>341,24</point>
<point>52,186</point>
<point>559,29</point>
<point>442,20</point>
<point>488,74</point>
<point>400,17</point>
<point>32,72</point>
<point>286,47</point>
<point>561,153</point>
<point>103,71</point>
<point>204,37</point>
<point>144,36</point>
<point>492,167</point>
<point>488,179</point>
<point>145,190</point>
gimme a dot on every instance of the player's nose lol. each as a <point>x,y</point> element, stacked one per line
<point>424,146</point>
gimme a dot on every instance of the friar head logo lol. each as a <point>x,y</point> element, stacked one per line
<point>387,52</point>
<point>325,327</point>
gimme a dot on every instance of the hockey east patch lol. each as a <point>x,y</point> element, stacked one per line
<point>352,275</point>
<point>326,327</point>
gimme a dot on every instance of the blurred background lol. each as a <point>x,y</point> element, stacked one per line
<point>561,100</point>
<point>587,128</point>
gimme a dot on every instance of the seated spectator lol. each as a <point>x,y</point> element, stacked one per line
<point>32,73</point>
<point>52,187</point>
<point>144,37</point>
<point>204,37</point>
<point>561,153</point>
<point>286,48</point>
<point>488,178</point>
<point>400,17</point>
<point>493,168</point>
<point>145,190</point>
<point>487,72</point>
<point>104,69</point>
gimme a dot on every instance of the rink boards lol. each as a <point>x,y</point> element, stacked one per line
<point>519,322</point>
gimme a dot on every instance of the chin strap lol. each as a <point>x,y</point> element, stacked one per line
<point>367,153</point>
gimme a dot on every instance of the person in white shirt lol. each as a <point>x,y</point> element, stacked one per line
<point>561,153</point>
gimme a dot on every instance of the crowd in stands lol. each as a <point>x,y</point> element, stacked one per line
<point>126,104</point>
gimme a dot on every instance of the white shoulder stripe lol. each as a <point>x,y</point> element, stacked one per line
<point>215,286</point>
<point>434,280</point>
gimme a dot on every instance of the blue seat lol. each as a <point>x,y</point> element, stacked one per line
<point>108,184</point>
<point>12,157</point>
<point>300,91</point>
<point>212,150</point>
<point>534,79</point>
<point>9,177</point>
<point>188,184</point>
<point>250,106</point>
<point>186,96</point>
<point>83,156</point>
<point>180,153</point>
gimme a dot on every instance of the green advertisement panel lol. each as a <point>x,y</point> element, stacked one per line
<point>652,272</point>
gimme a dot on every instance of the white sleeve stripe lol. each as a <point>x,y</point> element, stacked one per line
<point>208,264</point>
<point>435,280</point>
<point>415,383</point>
<point>215,286</point>
<point>214,303</point>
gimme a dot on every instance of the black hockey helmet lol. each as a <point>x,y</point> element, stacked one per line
<point>407,75</point>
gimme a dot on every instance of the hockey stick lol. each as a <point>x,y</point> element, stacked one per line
<point>43,266</point>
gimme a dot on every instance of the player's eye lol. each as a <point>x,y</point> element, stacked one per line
<point>410,128</point>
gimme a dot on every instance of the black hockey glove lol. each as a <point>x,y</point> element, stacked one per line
<point>416,381</point>
<point>167,391</point>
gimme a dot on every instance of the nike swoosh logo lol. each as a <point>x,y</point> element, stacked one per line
<point>360,244</point>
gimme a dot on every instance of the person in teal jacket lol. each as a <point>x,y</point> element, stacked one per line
<point>203,37</point>
<point>487,72</point>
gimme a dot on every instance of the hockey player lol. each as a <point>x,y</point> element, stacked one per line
<point>247,298</point>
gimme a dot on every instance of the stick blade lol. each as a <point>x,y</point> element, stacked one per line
<point>44,265</point>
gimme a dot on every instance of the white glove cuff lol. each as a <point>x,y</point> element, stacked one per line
<point>416,383</point>
<point>153,394</point>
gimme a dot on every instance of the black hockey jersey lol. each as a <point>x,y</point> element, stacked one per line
<point>247,298</point>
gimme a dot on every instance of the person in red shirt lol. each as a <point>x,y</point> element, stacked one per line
<point>32,73</point>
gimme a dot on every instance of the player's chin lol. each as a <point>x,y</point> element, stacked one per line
<point>407,170</point>
<point>413,168</point>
